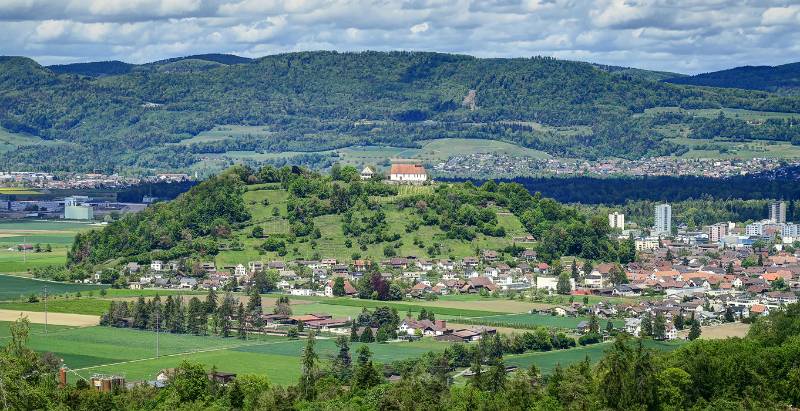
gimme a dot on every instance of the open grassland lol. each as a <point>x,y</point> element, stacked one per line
<point>10,140</point>
<point>267,207</point>
<point>132,353</point>
<point>58,234</point>
<point>35,329</point>
<point>12,287</point>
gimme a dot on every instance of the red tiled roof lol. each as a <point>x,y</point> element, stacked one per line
<point>407,169</point>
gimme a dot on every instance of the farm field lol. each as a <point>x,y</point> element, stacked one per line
<point>57,234</point>
<point>38,317</point>
<point>12,287</point>
<point>525,320</point>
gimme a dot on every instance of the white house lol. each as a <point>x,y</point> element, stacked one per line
<point>156,265</point>
<point>239,271</point>
<point>367,173</point>
<point>410,173</point>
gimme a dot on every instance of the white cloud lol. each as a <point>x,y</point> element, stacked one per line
<point>419,28</point>
<point>677,35</point>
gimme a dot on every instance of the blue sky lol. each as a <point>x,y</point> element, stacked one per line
<point>685,36</point>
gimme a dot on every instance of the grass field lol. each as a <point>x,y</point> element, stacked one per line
<point>12,287</point>
<point>58,234</point>
<point>97,350</point>
<point>35,329</point>
<point>333,241</point>
<point>535,320</point>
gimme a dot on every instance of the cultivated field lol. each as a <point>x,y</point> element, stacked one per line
<point>721,331</point>
<point>74,320</point>
<point>12,287</point>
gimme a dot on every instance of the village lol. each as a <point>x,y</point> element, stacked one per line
<point>675,279</point>
<point>505,165</point>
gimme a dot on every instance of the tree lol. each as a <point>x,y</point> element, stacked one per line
<point>292,333</point>
<point>194,323</point>
<point>610,327</point>
<point>338,287</point>
<point>367,336</point>
<point>257,232</point>
<point>308,379</point>
<point>254,303</point>
<point>563,286</point>
<point>224,314</point>
<point>211,301</point>
<point>679,321</point>
<point>283,306</point>
<point>617,275</point>
<point>365,375</point>
<point>694,332</point>
<point>140,314</point>
<point>575,273</point>
<point>594,324</point>
<point>342,364</point>
<point>729,317</point>
<point>190,382</point>
<point>660,327</point>
<point>646,327</point>
<point>354,332</point>
<point>242,322</point>
<point>382,336</point>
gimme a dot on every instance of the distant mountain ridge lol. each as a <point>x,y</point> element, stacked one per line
<point>114,115</point>
<point>116,67</point>
<point>784,78</point>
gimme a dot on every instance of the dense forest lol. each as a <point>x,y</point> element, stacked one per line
<point>759,371</point>
<point>782,79</point>
<point>107,116</point>
<point>619,190</point>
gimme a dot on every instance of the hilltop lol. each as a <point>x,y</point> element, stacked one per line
<point>174,114</point>
<point>291,213</point>
<point>783,79</point>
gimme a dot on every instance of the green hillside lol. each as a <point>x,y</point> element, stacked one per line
<point>321,101</point>
<point>292,213</point>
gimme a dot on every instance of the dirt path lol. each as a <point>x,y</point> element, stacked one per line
<point>78,320</point>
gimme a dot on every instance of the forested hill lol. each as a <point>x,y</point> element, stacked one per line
<point>781,79</point>
<point>314,101</point>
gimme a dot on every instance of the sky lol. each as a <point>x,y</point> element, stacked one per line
<point>685,36</point>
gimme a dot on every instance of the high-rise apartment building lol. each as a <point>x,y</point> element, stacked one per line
<point>616,220</point>
<point>777,212</point>
<point>663,224</point>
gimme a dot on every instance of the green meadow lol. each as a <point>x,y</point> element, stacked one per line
<point>14,288</point>
<point>58,234</point>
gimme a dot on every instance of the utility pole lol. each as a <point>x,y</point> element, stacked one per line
<point>158,309</point>
<point>45,310</point>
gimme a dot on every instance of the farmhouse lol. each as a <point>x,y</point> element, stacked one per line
<point>408,173</point>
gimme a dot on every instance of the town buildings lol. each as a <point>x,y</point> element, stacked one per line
<point>777,212</point>
<point>616,220</point>
<point>663,223</point>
